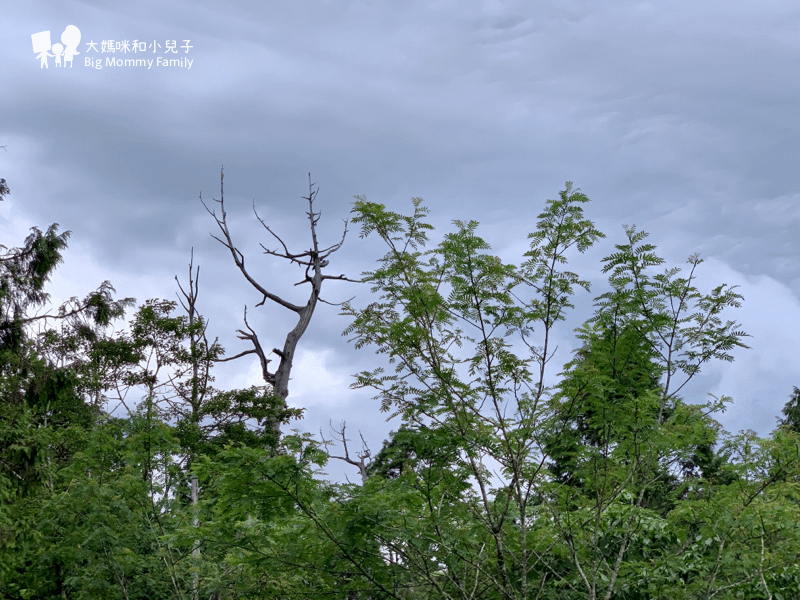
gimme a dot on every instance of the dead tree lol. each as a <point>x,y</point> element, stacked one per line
<point>314,260</point>
<point>201,352</point>
<point>364,457</point>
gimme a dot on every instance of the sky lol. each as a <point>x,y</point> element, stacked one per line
<point>679,117</point>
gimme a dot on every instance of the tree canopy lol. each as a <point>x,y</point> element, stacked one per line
<point>607,484</point>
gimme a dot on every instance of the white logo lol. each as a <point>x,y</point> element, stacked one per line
<point>120,51</point>
<point>66,50</point>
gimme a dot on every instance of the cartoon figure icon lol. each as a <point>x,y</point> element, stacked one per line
<point>70,38</point>
<point>41,45</point>
<point>58,50</point>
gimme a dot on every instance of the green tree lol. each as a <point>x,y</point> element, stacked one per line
<point>108,530</point>
<point>257,522</point>
<point>624,429</point>
<point>494,486</point>
<point>44,410</point>
<point>791,412</point>
<point>24,272</point>
<point>170,359</point>
<point>613,370</point>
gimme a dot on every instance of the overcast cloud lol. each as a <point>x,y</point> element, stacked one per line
<point>679,117</point>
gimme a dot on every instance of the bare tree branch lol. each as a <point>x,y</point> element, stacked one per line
<point>199,385</point>
<point>335,303</point>
<point>238,257</point>
<point>313,259</point>
<point>268,377</point>
<point>363,457</point>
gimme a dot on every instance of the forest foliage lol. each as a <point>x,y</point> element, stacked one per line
<point>494,485</point>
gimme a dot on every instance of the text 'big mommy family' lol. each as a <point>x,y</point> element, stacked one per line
<point>97,63</point>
